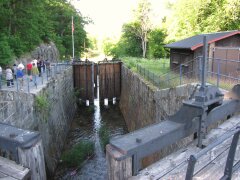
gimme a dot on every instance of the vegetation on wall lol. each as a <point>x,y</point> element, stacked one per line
<point>42,106</point>
<point>24,24</point>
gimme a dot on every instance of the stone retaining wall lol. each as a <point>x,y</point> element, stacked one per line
<point>142,104</point>
<point>19,109</point>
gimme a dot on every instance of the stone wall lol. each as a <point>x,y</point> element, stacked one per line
<point>143,104</point>
<point>19,109</point>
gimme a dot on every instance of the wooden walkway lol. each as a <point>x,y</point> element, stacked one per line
<point>9,170</point>
<point>210,166</point>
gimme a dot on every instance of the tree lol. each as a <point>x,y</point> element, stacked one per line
<point>5,51</point>
<point>156,43</point>
<point>108,46</point>
<point>202,16</point>
<point>142,15</point>
<point>27,23</point>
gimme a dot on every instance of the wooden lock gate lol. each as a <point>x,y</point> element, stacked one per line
<point>85,75</point>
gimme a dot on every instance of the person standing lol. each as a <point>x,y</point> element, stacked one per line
<point>20,75</point>
<point>43,66</point>
<point>29,70</point>
<point>21,66</point>
<point>39,66</point>
<point>15,71</point>
<point>35,73</point>
<point>9,77</point>
<point>0,77</point>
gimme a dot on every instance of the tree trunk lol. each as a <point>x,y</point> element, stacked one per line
<point>144,45</point>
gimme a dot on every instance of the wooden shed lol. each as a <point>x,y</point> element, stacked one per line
<point>221,45</point>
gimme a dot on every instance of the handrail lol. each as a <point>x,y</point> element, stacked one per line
<point>229,163</point>
<point>50,71</point>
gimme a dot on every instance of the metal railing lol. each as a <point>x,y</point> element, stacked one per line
<point>172,78</point>
<point>222,73</point>
<point>30,83</point>
<point>229,167</point>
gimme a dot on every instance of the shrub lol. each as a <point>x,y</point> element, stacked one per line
<point>42,106</point>
<point>104,135</point>
<point>76,156</point>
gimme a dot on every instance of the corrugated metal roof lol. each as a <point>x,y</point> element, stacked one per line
<point>196,41</point>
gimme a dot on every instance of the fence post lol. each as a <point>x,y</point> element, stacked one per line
<point>200,67</point>
<point>17,83</point>
<point>167,79</point>
<point>154,79</point>
<point>0,81</point>
<point>180,74</point>
<point>148,75</point>
<point>28,84</point>
<point>190,169</point>
<point>230,158</point>
<point>218,73</point>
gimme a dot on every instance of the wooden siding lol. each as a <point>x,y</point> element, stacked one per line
<point>181,56</point>
<point>233,41</point>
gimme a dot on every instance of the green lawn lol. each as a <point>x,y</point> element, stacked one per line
<point>156,66</point>
<point>157,71</point>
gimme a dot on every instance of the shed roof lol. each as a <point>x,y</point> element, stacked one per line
<point>195,42</point>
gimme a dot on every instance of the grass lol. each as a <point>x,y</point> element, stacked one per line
<point>104,135</point>
<point>156,66</point>
<point>157,71</point>
<point>80,152</point>
<point>224,83</point>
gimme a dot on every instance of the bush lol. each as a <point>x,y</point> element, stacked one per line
<point>42,106</point>
<point>104,135</point>
<point>77,155</point>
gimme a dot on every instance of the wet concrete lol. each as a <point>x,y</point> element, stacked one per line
<point>86,126</point>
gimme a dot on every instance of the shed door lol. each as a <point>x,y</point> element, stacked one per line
<point>227,59</point>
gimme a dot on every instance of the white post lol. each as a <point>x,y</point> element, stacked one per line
<point>87,102</point>
<point>106,101</point>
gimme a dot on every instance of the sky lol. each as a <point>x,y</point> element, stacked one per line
<point>109,15</point>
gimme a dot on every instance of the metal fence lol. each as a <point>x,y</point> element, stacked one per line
<point>217,73</point>
<point>31,83</point>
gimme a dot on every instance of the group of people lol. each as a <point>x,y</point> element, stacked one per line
<point>34,68</point>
